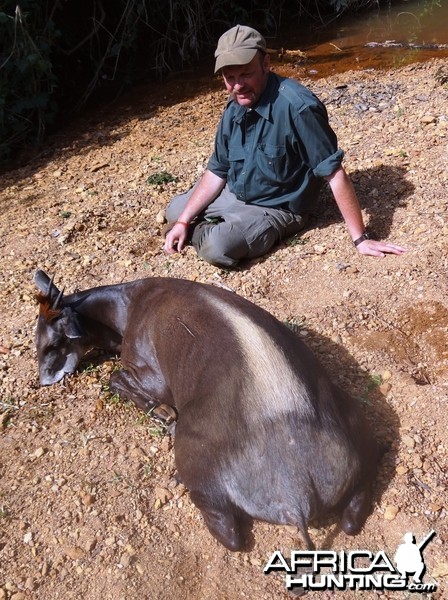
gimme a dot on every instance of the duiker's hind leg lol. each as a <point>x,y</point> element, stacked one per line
<point>224,520</point>
<point>143,393</point>
<point>356,512</point>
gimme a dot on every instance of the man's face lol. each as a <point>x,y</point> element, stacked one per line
<point>246,83</point>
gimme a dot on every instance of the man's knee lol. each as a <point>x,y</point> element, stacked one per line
<point>176,207</point>
<point>220,244</point>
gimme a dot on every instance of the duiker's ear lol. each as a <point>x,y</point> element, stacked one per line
<point>71,325</point>
<point>46,285</point>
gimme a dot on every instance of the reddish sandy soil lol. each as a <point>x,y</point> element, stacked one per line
<point>89,506</point>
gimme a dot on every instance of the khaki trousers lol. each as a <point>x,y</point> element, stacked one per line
<point>229,230</point>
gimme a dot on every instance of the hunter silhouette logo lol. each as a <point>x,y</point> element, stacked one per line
<point>409,557</point>
<point>356,569</point>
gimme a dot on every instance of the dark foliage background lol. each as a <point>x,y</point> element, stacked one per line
<point>56,54</point>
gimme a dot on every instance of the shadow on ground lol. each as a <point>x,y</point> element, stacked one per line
<point>381,190</point>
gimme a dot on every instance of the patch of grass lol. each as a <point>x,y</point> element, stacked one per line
<point>168,265</point>
<point>8,403</point>
<point>296,240</point>
<point>147,469</point>
<point>90,368</point>
<point>114,399</point>
<point>295,323</point>
<point>373,382</point>
<point>161,178</point>
<point>155,428</point>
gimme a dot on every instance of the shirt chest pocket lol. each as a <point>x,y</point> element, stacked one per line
<point>272,163</point>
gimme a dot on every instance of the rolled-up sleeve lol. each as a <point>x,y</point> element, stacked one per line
<point>319,145</point>
<point>330,165</point>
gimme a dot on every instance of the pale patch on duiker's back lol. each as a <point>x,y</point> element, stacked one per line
<point>271,387</point>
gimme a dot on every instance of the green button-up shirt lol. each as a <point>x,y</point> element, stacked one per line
<point>276,153</point>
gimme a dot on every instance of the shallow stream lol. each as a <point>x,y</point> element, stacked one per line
<point>392,36</point>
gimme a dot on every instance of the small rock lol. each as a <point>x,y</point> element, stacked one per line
<point>427,119</point>
<point>390,513</point>
<point>440,570</point>
<point>28,538</point>
<point>408,441</point>
<point>402,470</point>
<point>417,462</point>
<point>39,452</point>
<point>74,552</point>
<point>99,166</point>
<point>163,494</point>
<point>125,560</point>
<point>18,596</point>
<point>153,451</point>
<point>88,499</point>
<point>161,218</point>
<point>385,388</point>
<point>386,375</point>
<point>351,270</point>
<point>2,594</point>
<point>165,444</point>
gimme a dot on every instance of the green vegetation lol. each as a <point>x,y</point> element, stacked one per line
<point>373,382</point>
<point>296,240</point>
<point>295,323</point>
<point>161,178</point>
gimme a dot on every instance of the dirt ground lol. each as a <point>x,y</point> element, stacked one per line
<point>89,505</point>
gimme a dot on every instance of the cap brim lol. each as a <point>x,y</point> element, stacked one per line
<point>241,56</point>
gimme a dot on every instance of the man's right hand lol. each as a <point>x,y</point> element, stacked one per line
<point>176,238</point>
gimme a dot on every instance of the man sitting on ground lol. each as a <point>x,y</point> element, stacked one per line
<point>274,149</point>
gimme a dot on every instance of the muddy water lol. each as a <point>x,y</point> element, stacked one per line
<point>350,43</point>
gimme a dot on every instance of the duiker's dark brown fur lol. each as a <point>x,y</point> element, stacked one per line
<point>261,433</point>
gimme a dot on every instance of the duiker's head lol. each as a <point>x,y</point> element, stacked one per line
<point>60,342</point>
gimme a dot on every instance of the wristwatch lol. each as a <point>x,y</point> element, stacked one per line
<point>362,238</point>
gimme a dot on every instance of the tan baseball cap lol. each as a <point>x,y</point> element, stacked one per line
<point>238,46</point>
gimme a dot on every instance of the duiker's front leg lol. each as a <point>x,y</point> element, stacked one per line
<point>144,394</point>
